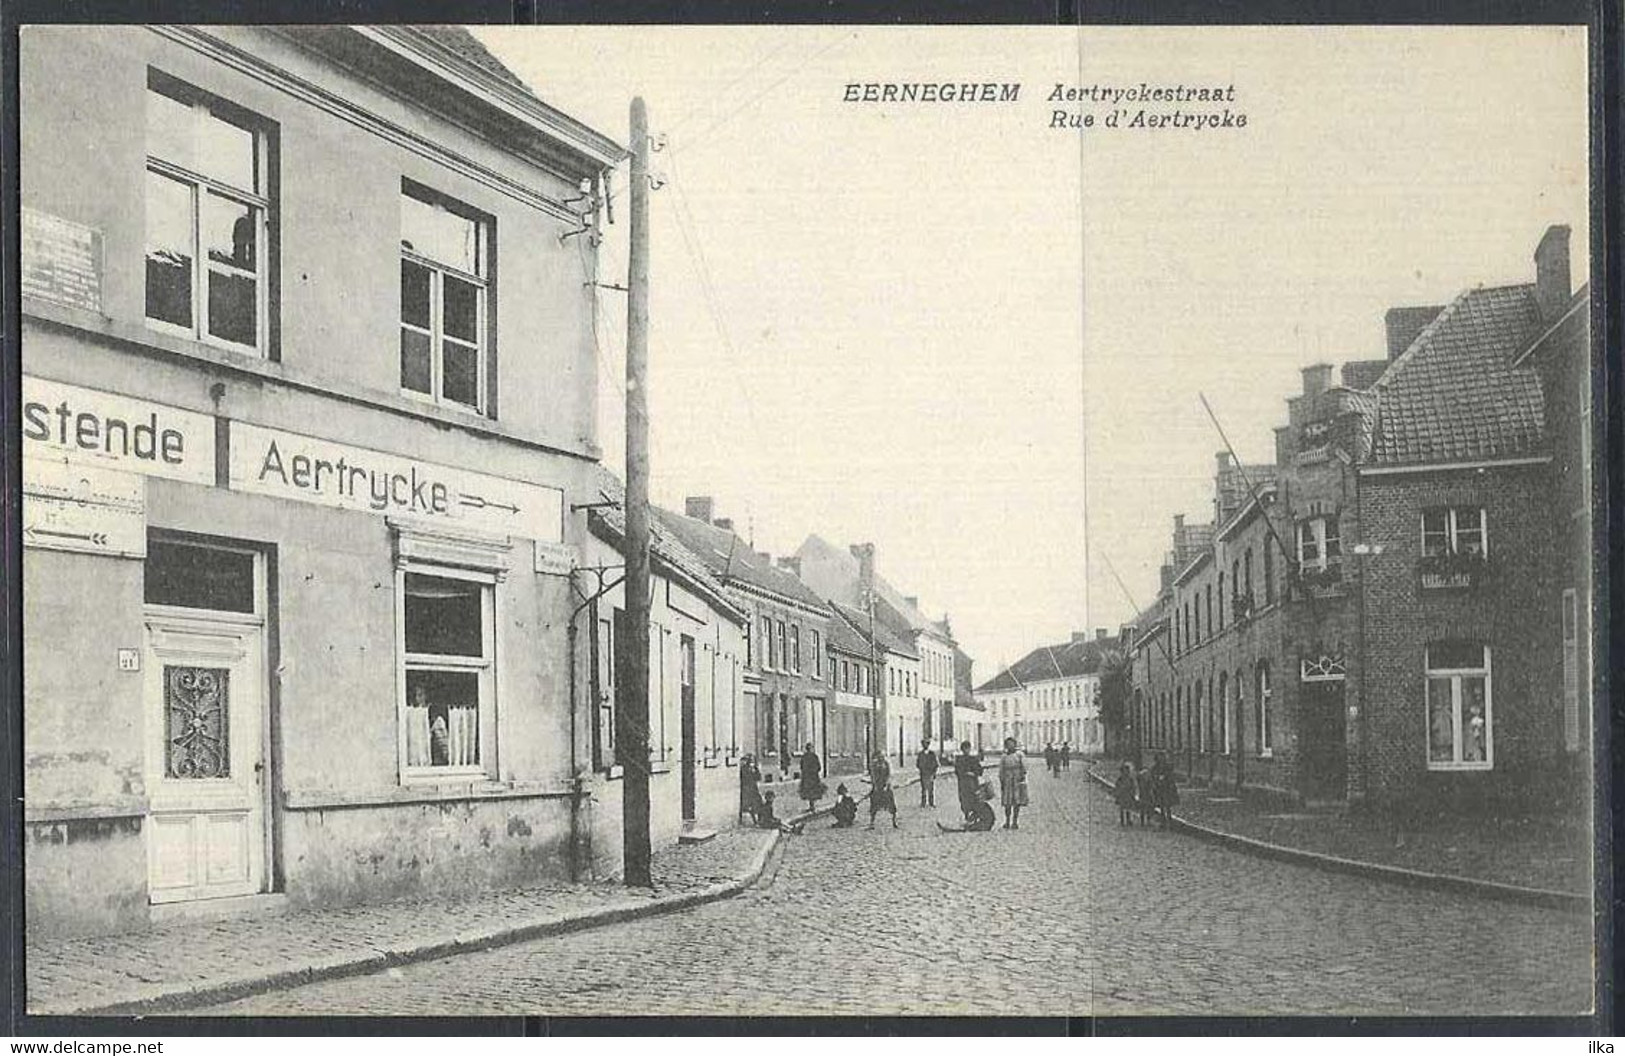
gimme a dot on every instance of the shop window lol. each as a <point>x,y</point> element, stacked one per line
<point>1459,710</point>
<point>207,209</point>
<point>445,271</point>
<point>448,705</point>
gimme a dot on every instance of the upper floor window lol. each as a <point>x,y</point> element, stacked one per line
<point>1319,545</point>
<point>1459,707</point>
<point>770,654</point>
<point>445,269</point>
<point>207,210</point>
<point>818,654</point>
<point>795,648</point>
<point>1454,530</point>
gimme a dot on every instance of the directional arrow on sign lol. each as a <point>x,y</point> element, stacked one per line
<point>94,538</point>
<point>480,503</point>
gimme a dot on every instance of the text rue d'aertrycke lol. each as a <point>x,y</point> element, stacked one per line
<point>1136,105</point>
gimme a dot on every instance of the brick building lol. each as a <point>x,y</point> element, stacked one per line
<point>786,686</point>
<point>1358,625</point>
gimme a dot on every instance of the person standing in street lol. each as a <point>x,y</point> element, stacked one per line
<point>1127,794</point>
<point>881,796</point>
<point>812,785</point>
<point>926,764</point>
<point>1066,755</point>
<point>968,778</point>
<point>1052,760</point>
<point>1164,793</point>
<point>1012,783</point>
<point>750,792</point>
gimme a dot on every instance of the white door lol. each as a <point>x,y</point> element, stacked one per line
<point>205,692</point>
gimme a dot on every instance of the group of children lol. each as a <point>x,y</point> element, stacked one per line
<point>760,806</point>
<point>1145,791</point>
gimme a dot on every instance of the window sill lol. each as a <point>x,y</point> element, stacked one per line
<point>1267,754</point>
<point>152,341</point>
<point>1460,768</point>
<point>417,792</point>
<point>712,763</point>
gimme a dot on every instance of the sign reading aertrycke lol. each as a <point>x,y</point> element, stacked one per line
<point>95,428</point>
<point>83,509</point>
<point>291,466</point>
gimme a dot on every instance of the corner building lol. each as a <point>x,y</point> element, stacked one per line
<point>309,408</point>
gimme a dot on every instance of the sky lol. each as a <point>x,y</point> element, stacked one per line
<point>980,342</point>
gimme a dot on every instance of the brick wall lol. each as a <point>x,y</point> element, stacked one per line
<point>1506,610</point>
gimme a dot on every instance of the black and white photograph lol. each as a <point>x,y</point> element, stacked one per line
<point>809,521</point>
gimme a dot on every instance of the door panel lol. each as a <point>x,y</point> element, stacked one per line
<point>205,715</point>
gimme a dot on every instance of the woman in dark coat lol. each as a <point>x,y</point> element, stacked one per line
<point>968,776</point>
<point>812,786</point>
<point>750,793</point>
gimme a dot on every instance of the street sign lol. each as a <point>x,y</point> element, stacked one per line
<point>83,509</point>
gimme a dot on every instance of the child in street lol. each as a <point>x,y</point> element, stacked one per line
<point>1127,794</point>
<point>846,808</point>
<point>881,796</point>
<point>1142,788</point>
<point>767,819</point>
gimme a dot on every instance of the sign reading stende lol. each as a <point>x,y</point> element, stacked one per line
<point>89,427</point>
<point>291,466</point>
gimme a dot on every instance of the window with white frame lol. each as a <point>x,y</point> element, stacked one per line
<point>1459,713</point>
<point>770,651</point>
<point>1319,545</point>
<point>207,203</point>
<point>783,663</point>
<point>1266,721</point>
<point>445,271</point>
<point>447,678</point>
<point>818,654</point>
<point>1454,530</point>
<point>795,648</point>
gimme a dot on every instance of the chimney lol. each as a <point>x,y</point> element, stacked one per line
<point>1223,460</point>
<point>1100,634</point>
<point>791,565</point>
<point>1552,288</point>
<point>913,600</point>
<point>1079,636</point>
<point>1317,379</point>
<point>1403,324</point>
<point>725,523</point>
<point>1166,575</point>
<point>700,507</point>
<point>865,553</point>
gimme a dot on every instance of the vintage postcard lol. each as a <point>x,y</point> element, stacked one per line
<point>821,521</point>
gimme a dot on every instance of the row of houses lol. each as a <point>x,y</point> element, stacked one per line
<point>321,567</point>
<point>1398,610</point>
<point>1052,695</point>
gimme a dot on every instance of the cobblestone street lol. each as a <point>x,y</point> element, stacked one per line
<point>1068,915</point>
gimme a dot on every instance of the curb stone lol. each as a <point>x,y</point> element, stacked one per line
<point>1535,896</point>
<point>342,965</point>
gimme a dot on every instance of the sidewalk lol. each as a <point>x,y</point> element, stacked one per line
<point>186,965</point>
<point>1520,853</point>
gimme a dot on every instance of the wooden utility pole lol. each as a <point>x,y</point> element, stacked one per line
<point>632,686</point>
